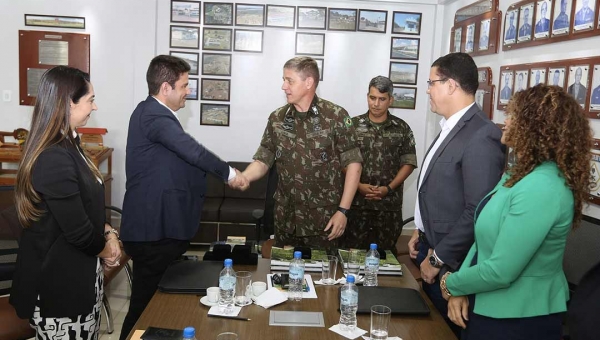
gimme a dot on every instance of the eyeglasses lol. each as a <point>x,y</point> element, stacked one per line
<point>431,82</point>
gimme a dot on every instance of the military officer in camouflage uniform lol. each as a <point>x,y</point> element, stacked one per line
<point>387,146</point>
<point>311,140</point>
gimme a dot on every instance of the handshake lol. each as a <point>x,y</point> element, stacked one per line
<point>239,182</point>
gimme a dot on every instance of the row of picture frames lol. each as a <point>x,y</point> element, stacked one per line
<point>579,77</point>
<point>302,17</point>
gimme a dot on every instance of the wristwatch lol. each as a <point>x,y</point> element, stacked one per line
<point>343,211</point>
<point>390,190</point>
<point>111,231</point>
<point>433,261</point>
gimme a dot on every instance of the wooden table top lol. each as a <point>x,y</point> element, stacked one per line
<point>181,310</point>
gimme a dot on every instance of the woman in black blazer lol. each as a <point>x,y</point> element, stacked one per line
<point>60,202</point>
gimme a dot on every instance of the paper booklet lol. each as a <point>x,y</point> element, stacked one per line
<point>387,266</point>
<point>281,258</point>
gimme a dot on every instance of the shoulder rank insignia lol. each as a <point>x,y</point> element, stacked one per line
<point>348,122</point>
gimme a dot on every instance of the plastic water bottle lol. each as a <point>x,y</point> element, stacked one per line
<point>371,266</point>
<point>348,305</point>
<point>296,280</point>
<point>226,287</point>
<point>189,333</point>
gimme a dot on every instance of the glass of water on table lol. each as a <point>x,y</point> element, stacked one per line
<point>352,264</point>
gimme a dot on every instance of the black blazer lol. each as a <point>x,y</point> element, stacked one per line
<point>166,176</point>
<point>57,254</point>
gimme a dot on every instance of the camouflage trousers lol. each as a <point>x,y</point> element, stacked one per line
<point>303,226</point>
<point>373,226</point>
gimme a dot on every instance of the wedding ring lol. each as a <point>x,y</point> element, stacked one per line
<point>118,263</point>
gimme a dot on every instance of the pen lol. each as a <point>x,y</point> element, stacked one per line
<point>229,317</point>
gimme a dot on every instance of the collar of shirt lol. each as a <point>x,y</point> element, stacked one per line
<point>450,123</point>
<point>163,104</point>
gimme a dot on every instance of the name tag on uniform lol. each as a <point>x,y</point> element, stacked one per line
<point>322,133</point>
<point>278,129</point>
<point>392,135</point>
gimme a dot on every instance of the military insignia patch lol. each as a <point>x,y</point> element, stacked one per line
<point>348,122</point>
<point>278,154</point>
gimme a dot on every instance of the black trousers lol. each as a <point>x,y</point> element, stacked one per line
<point>545,327</point>
<point>150,261</point>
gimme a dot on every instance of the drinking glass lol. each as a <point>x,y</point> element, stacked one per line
<point>243,288</point>
<point>380,320</point>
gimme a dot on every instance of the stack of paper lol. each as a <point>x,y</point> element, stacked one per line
<point>281,258</point>
<point>270,298</point>
<point>389,266</point>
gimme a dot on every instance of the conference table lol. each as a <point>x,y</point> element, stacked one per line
<point>177,311</point>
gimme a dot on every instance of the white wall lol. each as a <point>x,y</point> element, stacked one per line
<point>566,50</point>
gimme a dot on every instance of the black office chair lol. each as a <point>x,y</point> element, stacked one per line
<point>265,218</point>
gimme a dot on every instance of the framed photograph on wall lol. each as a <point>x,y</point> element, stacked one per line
<point>214,114</point>
<point>216,64</point>
<point>310,43</point>
<point>405,48</point>
<point>54,21</point>
<point>595,94</point>
<point>218,39</point>
<point>537,76</point>
<point>218,13</point>
<point>585,13</point>
<point>281,16</point>
<point>372,21</point>
<point>510,28</point>
<point>506,87</point>
<point>578,80</point>
<point>404,97</point>
<point>542,24</point>
<point>595,175</point>
<point>521,80</point>
<point>484,35</point>
<point>525,20</point>
<point>469,44</point>
<point>249,15</point>
<point>457,39</point>
<point>312,17</point>
<point>562,19</point>
<point>341,19</point>
<point>193,86</point>
<point>248,41</point>
<point>403,73</point>
<point>556,76</point>
<point>320,64</point>
<point>185,12</point>
<point>189,57</point>
<point>406,23</point>
<point>215,89</point>
<point>185,37</point>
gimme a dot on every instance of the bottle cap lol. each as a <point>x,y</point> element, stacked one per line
<point>350,278</point>
<point>189,332</point>
<point>297,254</point>
<point>228,262</point>
<point>373,246</point>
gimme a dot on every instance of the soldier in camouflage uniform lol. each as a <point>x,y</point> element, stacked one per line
<point>312,140</point>
<point>387,146</point>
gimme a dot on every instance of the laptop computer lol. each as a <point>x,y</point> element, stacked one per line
<point>190,277</point>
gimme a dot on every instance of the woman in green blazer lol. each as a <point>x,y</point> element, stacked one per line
<point>511,284</point>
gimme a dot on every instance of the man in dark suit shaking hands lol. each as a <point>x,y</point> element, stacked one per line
<point>464,163</point>
<point>166,182</point>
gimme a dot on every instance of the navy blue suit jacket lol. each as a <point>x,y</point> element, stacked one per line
<point>166,176</point>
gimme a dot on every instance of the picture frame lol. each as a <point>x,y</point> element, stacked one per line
<point>521,81</point>
<point>537,76</point>
<point>248,40</point>
<point>482,75</point>
<point>214,114</point>
<point>311,17</point>
<point>561,20</point>
<point>216,64</point>
<point>557,74</point>
<point>320,66</point>
<point>187,12</point>
<point>54,21</point>
<point>470,38</point>
<point>193,86</point>
<point>457,39</point>
<point>403,73</point>
<point>406,23</point>
<point>191,58</point>
<point>184,37</point>
<point>404,97</point>
<point>578,82</point>
<point>510,26</point>
<point>585,13</point>
<point>215,89</point>
<point>505,90</point>
<point>484,35</point>
<point>373,21</point>
<point>405,48</point>
<point>281,16</point>
<point>342,19</point>
<point>542,24</point>
<point>218,13</point>
<point>216,39</point>
<point>594,103</point>
<point>525,21</point>
<point>310,43</point>
<point>249,15</point>
<point>595,176</point>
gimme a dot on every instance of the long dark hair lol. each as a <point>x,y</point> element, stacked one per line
<point>49,126</point>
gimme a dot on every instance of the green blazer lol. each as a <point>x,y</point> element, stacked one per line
<point>520,239</point>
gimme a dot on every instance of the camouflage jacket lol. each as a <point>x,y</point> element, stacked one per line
<point>385,149</point>
<point>310,149</point>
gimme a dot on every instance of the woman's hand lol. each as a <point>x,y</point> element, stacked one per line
<point>111,254</point>
<point>458,310</point>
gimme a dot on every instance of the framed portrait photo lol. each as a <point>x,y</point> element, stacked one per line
<point>217,39</point>
<point>537,76</point>
<point>595,93</point>
<point>525,20</point>
<point>190,57</point>
<point>215,89</point>
<point>506,87</point>
<point>312,17</point>
<point>185,37</point>
<point>248,41</point>
<point>457,39</point>
<point>185,12</point>
<point>469,44</point>
<point>214,114</point>
<point>578,80</point>
<point>281,16</point>
<point>406,23</point>
<point>405,48</point>
<point>249,15</point>
<point>403,73</point>
<point>310,43</point>
<point>585,13</point>
<point>404,97</point>
<point>562,19</point>
<point>556,76</point>
<point>193,86</point>
<point>341,19</point>
<point>542,24</point>
<point>484,35</point>
<point>216,64</point>
<point>521,80</point>
<point>510,28</point>
<point>218,13</point>
<point>320,65</point>
<point>372,21</point>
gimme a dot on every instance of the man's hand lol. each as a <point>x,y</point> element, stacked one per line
<point>337,224</point>
<point>413,245</point>
<point>458,310</point>
<point>377,193</point>
<point>239,182</point>
<point>428,272</point>
<point>364,189</point>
